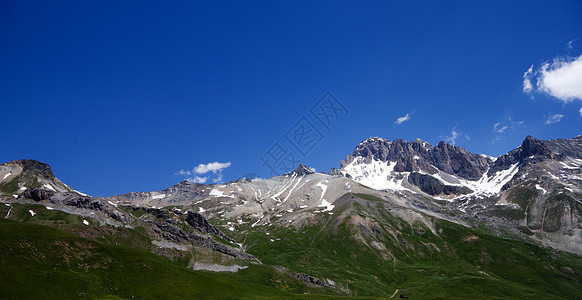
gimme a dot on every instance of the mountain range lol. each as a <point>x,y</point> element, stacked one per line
<point>396,219</point>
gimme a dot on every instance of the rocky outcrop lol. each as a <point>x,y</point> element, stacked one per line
<point>26,174</point>
<point>184,191</point>
<point>533,150</point>
<point>301,170</point>
<point>77,201</point>
<point>36,167</point>
<point>37,194</point>
<point>198,222</point>
<point>175,234</point>
<point>312,280</point>
<point>433,186</point>
<point>421,156</point>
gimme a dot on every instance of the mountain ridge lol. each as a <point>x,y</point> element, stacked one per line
<point>390,204</point>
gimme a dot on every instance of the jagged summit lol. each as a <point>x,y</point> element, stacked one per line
<point>301,170</point>
<point>535,150</point>
<point>34,166</point>
<point>420,155</point>
<point>19,175</point>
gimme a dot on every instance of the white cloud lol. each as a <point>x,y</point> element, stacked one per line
<point>455,134</point>
<point>402,119</point>
<point>561,79</point>
<point>183,172</point>
<point>527,86</point>
<point>197,179</point>
<point>569,44</point>
<point>554,119</point>
<point>213,167</point>
<point>580,111</point>
<point>499,128</point>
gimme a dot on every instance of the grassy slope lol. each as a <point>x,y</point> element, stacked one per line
<point>372,260</point>
<point>40,262</point>
<point>458,262</point>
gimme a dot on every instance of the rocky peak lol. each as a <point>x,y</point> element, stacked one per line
<point>301,170</point>
<point>533,147</point>
<point>532,150</point>
<point>33,166</point>
<point>420,155</point>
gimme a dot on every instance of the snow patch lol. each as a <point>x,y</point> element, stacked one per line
<point>50,187</point>
<point>81,193</point>
<point>377,174</point>
<point>328,206</point>
<point>492,185</point>
<point>217,193</point>
<point>86,222</point>
<point>201,210</point>
<point>323,186</point>
<point>162,196</point>
<point>32,213</point>
<point>7,175</point>
<point>541,189</point>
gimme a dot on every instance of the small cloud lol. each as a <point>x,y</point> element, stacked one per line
<point>211,167</point>
<point>402,119</point>
<point>569,44</point>
<point>499,128</point>
<point>217,179</point>
<point>527,86</point>
<point>554,119</point>
<point>503,126</point>
<point>215,168</point>
<point>455,135</point>
<point>183,172</point>
<point>561,79</point>
<point>197,179</point>
<point>580,111</point>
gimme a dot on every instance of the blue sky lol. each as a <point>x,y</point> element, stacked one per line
<point>136,96</point>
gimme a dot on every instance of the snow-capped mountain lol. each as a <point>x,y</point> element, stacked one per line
<point>538,184</point>
<point>442,170</point>
<point>533,192</point>
<point>392,208</point>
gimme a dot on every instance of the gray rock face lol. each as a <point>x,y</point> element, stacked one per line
<point>433,186</point>
<point>95,204</point>
<point>25,174</point>
<point>35,166</point>
<point>37,194</point>
<point>421,156</point>
<point>175,234</point>
<point>184,191</point>
<point>533,150</point>
<point>200,223</point>
<point>310,279</point>
<point>301,170</point>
